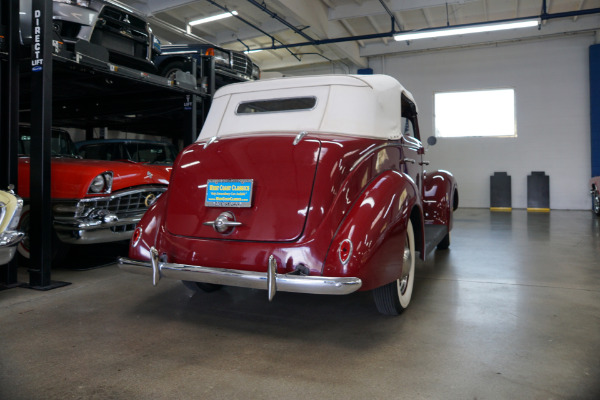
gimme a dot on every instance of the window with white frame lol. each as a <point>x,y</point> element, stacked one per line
<point>475,113</point>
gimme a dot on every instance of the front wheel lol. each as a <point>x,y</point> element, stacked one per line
<point>59,249</point>
<point>393,298</point>
<point>596,201</point>
<point>170,70</point>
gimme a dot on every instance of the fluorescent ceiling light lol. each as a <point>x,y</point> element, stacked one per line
<point>253,51</point>
<point>435,33</point>
<point>213,18</point>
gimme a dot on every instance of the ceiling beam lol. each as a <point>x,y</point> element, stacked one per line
<point>373,7</point>
<point>151,7</point>
<point>376,28</point>
<point>579,7</point>
<point>270,26</point>
<point>351,31</point>
<point>486,14</point>
<point>314,16</point>
<point>427,17</point>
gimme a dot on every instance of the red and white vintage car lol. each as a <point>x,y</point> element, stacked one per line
<point>93,201</point>
<point>306,184</point>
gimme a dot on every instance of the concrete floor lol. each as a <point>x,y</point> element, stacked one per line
<point>511,311</point>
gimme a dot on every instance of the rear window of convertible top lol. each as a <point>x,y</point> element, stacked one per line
<point>277,105</point>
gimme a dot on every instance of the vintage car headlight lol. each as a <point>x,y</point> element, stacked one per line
<point>82,3</point>
<point>255,72</point>
<point>102,183</point>
<point>222,58</point>
<point>156,44</point>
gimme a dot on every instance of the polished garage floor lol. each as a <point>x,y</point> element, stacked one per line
<point>511,311</point>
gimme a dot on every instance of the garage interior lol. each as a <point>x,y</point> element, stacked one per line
<point>510,310</point>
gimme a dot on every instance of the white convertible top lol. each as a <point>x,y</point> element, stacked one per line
<point>355,105</point>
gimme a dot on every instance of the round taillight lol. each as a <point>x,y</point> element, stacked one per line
<point>345,251</point>
<point>137,235</point>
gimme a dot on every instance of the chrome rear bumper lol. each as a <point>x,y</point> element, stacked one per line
<point>270,280</point>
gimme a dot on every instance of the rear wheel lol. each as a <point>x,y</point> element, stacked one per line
<point>205,287</point>
<point>393,298</point>
<point>596,201</point>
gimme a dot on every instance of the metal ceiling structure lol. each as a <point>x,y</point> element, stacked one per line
<point>296,33</point>
<point>312,31</point>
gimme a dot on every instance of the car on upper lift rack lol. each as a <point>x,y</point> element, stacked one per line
<point>122,31</point>
<point>93,201</point>
<point>230,66</point>
<point>310,184</point>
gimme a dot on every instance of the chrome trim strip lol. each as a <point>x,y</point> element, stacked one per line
<point>210,141</point>
<point>299,137</point>
<point>115,195</point>
<point>83,224</point>
<point>248,279</point>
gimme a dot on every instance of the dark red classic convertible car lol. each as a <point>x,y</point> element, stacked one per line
<point>308,184</point>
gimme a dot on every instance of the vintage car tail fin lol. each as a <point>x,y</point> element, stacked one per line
<point>254,188</point>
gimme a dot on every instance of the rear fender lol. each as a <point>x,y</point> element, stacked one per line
<point>374,232</point>
<point>150,224</point>
<point>440,198</point>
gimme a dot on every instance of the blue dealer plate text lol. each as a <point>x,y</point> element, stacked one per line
<point>229,193</point>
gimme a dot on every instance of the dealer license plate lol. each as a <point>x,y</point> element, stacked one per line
<point>229,193</point>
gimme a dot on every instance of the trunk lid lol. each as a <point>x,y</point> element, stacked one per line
<point>282,176</point>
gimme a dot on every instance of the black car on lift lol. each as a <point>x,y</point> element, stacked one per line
<point>113,29</point>
<point>229,65</point>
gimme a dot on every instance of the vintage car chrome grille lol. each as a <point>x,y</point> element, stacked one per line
<point>123,24</point>
<point>242,64</point>
<point>123,19</point>
<point>122,204</point>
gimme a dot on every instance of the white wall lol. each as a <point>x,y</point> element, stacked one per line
<point>551,82</point>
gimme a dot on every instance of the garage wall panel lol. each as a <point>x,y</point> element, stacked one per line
<point>595,107</point>
<point>551,82</point>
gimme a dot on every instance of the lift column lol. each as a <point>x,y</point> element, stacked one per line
<point>40,229</point>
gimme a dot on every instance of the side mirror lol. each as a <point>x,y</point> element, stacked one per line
<point>431,140</point>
